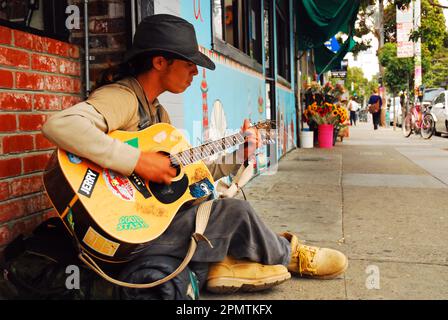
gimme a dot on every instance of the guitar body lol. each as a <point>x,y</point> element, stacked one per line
<point>115,217</point>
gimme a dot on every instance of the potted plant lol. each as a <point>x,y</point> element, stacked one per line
<point>327,91</point>
<point>329,118</point>
<point>338,91</point>
<point>313,93</point>
<point>342,120</point>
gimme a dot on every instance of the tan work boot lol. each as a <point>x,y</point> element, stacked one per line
<point>231,275</point>
<point>315,262</point>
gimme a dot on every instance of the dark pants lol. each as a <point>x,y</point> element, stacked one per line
<point>234,229</point>
<point>376,119</point>
<point>353,118</point>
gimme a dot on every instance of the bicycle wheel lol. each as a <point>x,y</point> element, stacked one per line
<point>427,129</point>
<point>407,126</point>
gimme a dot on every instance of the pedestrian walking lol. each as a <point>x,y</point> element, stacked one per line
<point>375,104</point>
<point>353,107</point>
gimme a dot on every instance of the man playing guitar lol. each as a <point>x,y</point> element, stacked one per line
<point>246,254</point>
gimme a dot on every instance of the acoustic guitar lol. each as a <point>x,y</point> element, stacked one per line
<point>114,217</point>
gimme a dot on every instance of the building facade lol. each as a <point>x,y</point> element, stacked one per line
<point>43,70</point>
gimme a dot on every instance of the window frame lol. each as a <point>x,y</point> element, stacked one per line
<point>284,81</point>
<point>221,46</point>
<point>279,13</point>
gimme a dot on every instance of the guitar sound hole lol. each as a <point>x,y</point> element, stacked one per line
<point>166,190</point>
<point>177,167</point>
<point>169,193</point>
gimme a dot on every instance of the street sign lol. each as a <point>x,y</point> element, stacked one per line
<point>333,44</point>
<point>339,74</point>
<point>405,24</point>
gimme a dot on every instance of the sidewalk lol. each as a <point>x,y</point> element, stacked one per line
<point>380,198</point>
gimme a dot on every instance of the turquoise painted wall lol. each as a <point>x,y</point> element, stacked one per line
<point>198,13</point>
<point>241,93</point>
<point>286,115</point>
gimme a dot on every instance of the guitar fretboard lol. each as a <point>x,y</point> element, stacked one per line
<point>206,150</point>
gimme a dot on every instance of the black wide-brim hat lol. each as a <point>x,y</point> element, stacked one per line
<point>168,33</point>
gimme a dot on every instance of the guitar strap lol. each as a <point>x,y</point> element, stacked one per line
<point>145,122</point>
<point>143,115</point>
<point>145,119</point>
<point>202,216</point>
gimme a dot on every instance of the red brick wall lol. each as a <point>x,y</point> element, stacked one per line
<point>38,76</point>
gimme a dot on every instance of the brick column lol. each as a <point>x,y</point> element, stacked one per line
<point>38,76</point>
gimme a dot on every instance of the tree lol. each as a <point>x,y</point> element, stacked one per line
<point>434,39</point>
<point>372,85</point>
<point>364,24</point>
<point>437,75</point>
<point>355,75</point>
<point>390,24</point>
<point>432,31</point>
<point>433,3</point>
<point>398,72</point>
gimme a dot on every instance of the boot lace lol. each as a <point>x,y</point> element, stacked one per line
<point>306,256</point>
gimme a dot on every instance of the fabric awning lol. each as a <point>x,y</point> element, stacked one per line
<point>326,59</point>
<point>318,21</point>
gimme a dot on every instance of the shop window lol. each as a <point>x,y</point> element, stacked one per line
<point>283,41</point>
<point>42,17</point>
<point>237,30</point>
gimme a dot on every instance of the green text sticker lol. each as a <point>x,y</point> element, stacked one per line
<point>131,223</point>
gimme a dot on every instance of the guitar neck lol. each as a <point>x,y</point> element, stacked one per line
<point>206,150</point>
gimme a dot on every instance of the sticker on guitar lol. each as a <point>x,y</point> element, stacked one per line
<point>119,185</point>
<point>73,158</point>
<point>88,183</point>
<point>202,188</point>
<point>131,223</point>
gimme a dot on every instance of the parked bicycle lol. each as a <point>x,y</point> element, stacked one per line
<point>420,121</point>
<point>362,115</point>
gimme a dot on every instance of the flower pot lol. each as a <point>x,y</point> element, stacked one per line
<point>325,134</point>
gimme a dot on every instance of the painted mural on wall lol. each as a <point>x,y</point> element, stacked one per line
<point>260,102</point>
<point>237,94</point>
<point>197,12</point>
<point>218,121</point>
<point>286,121</point>
<point>217,101</point>
<point>204,90</point>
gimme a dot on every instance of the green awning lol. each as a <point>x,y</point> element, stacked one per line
<point>326,59</point>
<point>318,21</point>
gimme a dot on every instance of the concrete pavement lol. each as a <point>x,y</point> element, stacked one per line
<point>380,198</point>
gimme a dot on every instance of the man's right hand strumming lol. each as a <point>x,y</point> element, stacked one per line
<point>156,167</point>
